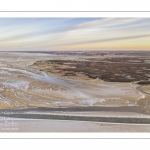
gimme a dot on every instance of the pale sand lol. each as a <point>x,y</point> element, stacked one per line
<point>146,88</point>
<point>25,125</point>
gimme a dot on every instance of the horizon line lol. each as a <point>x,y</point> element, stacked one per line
<point>65,50</point>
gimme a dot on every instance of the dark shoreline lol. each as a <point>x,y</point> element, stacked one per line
<point>13,113</point>
<point>81,118</point>
<point>92,108</point>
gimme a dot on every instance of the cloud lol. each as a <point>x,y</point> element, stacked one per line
<point>106,22</point>
<point>51,33</point>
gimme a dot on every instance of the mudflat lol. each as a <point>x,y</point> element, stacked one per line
<point>74,81</point>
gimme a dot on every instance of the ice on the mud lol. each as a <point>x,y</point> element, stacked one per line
<point>17,84</point>
<point>92,101</point>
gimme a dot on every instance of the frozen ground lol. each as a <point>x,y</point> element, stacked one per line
<point>23,86</point>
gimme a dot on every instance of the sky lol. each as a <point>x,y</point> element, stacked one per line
<point>49,34</point>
